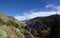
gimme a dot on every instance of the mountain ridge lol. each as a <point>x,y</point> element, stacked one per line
<point>44,25</point>
<point>39,27</point>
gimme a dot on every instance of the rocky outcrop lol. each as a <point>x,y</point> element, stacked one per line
<point>10,32</point>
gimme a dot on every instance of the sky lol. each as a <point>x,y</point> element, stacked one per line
<point>28,9</point>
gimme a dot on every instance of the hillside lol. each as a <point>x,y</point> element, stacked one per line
<point>12,28</point>
<point>44,27</point>
<point>39,27</point>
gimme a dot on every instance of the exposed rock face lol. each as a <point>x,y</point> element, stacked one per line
<point>10,32</point>
<point>3,34</point>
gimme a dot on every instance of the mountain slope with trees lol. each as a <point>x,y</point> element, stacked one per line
<point>39,27</point>
<point>45,27</point>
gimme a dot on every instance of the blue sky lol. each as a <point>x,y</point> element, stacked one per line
<point>20,8</point>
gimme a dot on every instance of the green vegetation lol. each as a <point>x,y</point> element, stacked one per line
<point>33,32</point>
<point>46,27</point>
<point>2,22</point>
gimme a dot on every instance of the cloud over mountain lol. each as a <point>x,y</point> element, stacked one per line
<point>33,14</point>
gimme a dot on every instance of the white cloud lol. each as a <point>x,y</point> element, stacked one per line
<point>47,6</point>
<point>58,8</point>
<point>33,14</point>
<point>54,7</point>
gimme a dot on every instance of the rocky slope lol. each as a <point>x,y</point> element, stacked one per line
<point>39,27</point>
<point>12,28</point>
<point>10,32</point>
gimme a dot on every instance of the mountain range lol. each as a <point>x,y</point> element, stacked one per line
<point>45,27</point>
<point>39,27</point>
